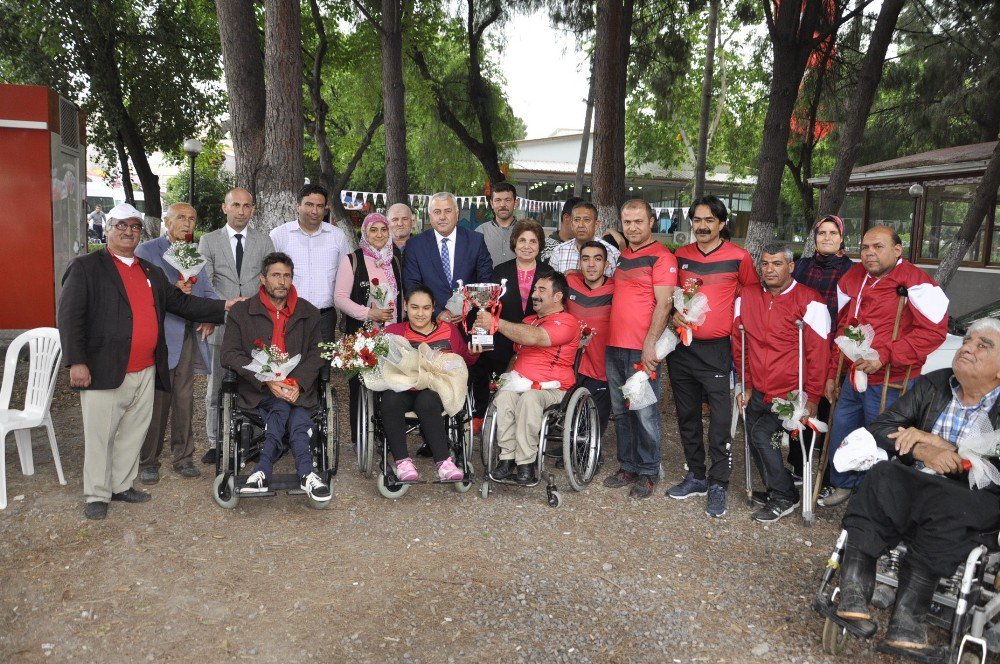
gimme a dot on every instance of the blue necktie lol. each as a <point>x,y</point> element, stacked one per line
<point>446,260</point>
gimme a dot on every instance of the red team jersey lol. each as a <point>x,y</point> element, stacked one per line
<point>724,271</point>
<point>634,301</point>
<point>592,306</point>
<point>544,363</point>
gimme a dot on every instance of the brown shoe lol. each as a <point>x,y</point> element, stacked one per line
<point>188,470</point>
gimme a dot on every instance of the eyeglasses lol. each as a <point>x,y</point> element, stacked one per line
<point>122,226</point>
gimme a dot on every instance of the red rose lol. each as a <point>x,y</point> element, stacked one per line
<point>189,237</point>
<point>375,281</point>
<point>587,331</point>
<point>193,280</point>
<point>368,357</point>
<point>258,343</point>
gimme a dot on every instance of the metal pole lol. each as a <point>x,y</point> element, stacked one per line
<point>191,180</point>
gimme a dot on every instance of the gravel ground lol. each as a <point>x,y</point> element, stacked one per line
<point>433,577</point>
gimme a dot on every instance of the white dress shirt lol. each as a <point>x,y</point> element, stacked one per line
<point>232,240</point>
<point>316,259</point>
<point>451,247</point>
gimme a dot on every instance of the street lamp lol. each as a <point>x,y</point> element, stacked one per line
<point>192,147</point>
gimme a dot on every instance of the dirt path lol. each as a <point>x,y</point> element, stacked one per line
<point>434,577</point>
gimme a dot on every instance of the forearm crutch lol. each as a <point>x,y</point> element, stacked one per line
<point>743,414</point>
<point>886,383</point>
<point>807,476</point>
<point>825,454</point>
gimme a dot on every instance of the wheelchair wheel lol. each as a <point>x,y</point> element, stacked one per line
<point>366,430</point>
<point>581,439</point>
<point>226,436</point>
<point>834,638</point>
<point>489,450</point>
<point>392,491</point>
<point>224,491</point>
<point>970,658</point>
<point>462,487</point>
<point>332,434</point>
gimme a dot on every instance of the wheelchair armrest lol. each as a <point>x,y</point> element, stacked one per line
<point>229,381</point>
<point>324,374</point>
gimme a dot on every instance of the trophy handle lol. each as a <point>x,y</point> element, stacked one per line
<point>503,287</point>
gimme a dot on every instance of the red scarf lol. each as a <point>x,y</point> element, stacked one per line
<point>279,317</point>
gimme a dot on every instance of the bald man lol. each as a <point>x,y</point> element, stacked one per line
<point>233,256</point>
<point>400,218</point>
<point>187,354</point>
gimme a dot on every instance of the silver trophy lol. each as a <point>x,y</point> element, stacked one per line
<point>483,296</point>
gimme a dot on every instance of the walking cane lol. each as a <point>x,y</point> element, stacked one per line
<point>825,454</point>
<point>743,413</point>
<point>886,384</point>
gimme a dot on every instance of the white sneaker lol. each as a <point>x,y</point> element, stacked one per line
<point>314,486</point>
<point>256,483</point>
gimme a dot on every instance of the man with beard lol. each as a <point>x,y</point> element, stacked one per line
<point>503,201</point>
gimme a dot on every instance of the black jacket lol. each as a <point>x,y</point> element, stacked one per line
<point>95,318</point>
<point>920,407</point>
<point>511,309</point>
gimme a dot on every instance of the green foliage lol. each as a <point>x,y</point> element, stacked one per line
<point>211,182</point>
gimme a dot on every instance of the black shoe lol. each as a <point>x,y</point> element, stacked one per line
<point>774,510</point>
<point>908,625</point>
<point>149,475</point>
<point>857,583</point>
<point>131,496</point>
<point>643,487</point>
<point>526,474</point>
<point>210,457</point>
<point>503,470</point>
<point>96,511</point>
<point>188,470</point>
<point>425,451</point>
<point>760,497</point>
<point>619,479</point>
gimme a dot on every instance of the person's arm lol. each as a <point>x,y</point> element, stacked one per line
<point>235,353</point>
<point>73,324</point>
<point>197,309</point>
<point>748,274</point>
<point>411,269</point>
<point>306,372</point>
<point>661,314</point>
<point>519,333</point>
<point>928,306</point>
<point>342,292</point>
<point>904,414</point>
<point>459,346</point>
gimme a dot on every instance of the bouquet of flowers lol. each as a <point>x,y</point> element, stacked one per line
<point>382,297</point>
<point>456,303</point>
<point>637,390</point>
<point>268,362</point>
<point>978,445</point>
<point>790,411</point>
<point>666,343</point>
<point>515,382</point>
<point>356,354</point>
<point>184,257</point>
<point>693,307</point>
<point>856,344</point>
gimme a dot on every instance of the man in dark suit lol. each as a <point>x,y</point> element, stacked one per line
<point>444,254</point>
<point>111,326</point>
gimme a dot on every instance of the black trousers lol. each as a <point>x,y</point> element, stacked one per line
<point>700,372</point>
<point>761,425</point>
<point>481,373</point>
<point>602,399</point>
<point>427,405</point>
<point>940,519</point>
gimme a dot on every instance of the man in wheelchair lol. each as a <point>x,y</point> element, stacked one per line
<point>278,317</point>
<point>545,346</point>
<point>923,497</point>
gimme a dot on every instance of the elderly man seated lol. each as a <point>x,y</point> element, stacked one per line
<point>935,513</point>
<point>278,317</point>
<point>545,347</point>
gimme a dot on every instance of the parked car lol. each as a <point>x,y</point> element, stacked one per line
<point>957,327</point>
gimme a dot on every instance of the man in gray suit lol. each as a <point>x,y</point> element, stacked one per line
<point>233,256</point>
<point>187,354</point>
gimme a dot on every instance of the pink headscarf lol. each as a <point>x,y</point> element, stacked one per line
<point>383,256</point>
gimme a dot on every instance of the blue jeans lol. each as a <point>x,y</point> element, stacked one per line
<point>638,431</point>
<point>280,417</point>
<point>854,410</point>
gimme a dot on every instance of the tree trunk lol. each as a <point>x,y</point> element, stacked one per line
<point>393,101</point>
<point>588,118</point>
<point>243,63</point>
<point>611,52</point>
<point>793,31</point>
<point>853,130</point>
<point>982,202</point>
<point>283,173</point>
<point>126,174</point>
<point>706,101</point>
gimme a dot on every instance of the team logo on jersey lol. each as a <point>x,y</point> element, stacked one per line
<point>684,267</point>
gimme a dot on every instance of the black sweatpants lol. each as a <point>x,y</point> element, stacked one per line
<point>427,406</point>
<point>699,373</point>
<point>940,519</point>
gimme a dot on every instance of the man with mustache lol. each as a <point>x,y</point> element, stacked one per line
<point>868,294</point>
<point>503,202</point>
<point>701,370</point>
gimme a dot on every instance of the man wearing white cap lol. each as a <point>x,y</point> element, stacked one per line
<point>111,326</point>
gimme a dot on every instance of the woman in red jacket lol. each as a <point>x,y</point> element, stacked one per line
<point>421,327</point>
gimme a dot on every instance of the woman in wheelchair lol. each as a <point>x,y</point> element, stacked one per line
<point>421,328</point>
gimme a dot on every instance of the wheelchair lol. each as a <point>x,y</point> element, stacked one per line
<point>965,605</point>
<point>241,436</point>
<point>570,425</point>
<point>371,439</point>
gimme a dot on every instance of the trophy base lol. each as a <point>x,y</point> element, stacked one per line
<point>484,340</point>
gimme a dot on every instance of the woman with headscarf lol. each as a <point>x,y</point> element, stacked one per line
<point>822,271</point>
<point>374,267</point>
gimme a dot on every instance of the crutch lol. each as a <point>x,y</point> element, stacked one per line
<point>743,412</point>
<point>807,476</point>
<point>825,454</point>
<point>886,384</point>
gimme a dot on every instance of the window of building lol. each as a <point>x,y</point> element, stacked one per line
<point>892,208</point>
<point>943,217</point>
<point>852,213</point>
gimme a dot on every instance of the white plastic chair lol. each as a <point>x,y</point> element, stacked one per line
<point>45,353</point>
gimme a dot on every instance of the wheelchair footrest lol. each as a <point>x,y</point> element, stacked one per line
<point>863,629</point>
<point>927,656</point>
<point>288,482</point>
<point>512,482</point>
